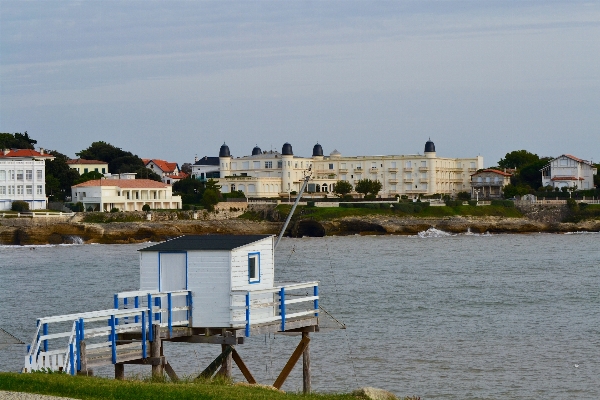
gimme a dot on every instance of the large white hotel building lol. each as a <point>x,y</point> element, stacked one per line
<point>274,174</point>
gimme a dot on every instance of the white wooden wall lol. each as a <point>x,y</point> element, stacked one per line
<point>148,270</point>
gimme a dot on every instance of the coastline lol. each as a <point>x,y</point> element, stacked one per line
<point>39,231</point>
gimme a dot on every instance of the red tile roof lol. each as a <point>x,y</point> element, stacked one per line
<point>25,153</point>
<point>164,165</point>
<point>495,171</point>
<point>124,183</point>
<point>182,175</point>
<point>82,161</point>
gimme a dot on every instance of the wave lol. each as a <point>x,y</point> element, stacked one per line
<point>433,233</point>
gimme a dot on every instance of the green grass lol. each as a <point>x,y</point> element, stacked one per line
<point>81,387</point>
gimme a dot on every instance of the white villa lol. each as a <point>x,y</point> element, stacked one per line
<point>23,177</point>
<point>127,194</point>
<point>489,183</point>
<point>274,174</point>
<point>569,171</point>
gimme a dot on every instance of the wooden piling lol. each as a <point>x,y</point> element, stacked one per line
<point>156,351</point>
<point>225,370</point>
<point>306,365</point>
<point>120,372</point>
<point>291,362</point>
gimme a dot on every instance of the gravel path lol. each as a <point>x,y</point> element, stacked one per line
<point>28,396</point>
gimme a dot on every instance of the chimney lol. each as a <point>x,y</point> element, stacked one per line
<point>41,150</point>
<point>196,158</point>
<point>5,151</point>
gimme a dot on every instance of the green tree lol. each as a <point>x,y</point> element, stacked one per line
<point>368,186</point>
<point>119,161</point>
<point>209,199</point>
<point>463,196</point>
<point>59,177</point>
<point>16,141</point>
<point>597,176</point>
<point>517,159</point>
<point>530,174</point>
<point>511,190</point>
<point>342,188</point>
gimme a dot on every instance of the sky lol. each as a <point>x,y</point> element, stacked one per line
<point>174,80</point>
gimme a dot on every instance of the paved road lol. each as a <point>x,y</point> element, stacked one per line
<point>28,396</point>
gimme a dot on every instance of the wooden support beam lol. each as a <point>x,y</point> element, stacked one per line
<point>291,362</point>
<point>231,340</point>
<point>83,356</point>
<point>119,372</point>
<point>156,351</point>
<point>225,370</point>
<point>306,366</point>
<point>171,372</point>
<point>146,361</point>
<point>212,368</point>
<point>240,363</point>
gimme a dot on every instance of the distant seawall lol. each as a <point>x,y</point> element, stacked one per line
<point>27,231</point>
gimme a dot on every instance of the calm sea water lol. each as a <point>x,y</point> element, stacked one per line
<point>447,317</point>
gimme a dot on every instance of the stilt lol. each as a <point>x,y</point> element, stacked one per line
<point>171,372</point>
<point>156,351</point>
<point>212,368</point>
<point>306,365</point>
<point>83,356</point>
<point>240,363</point>
<point>291,362</point>
<point>119,371</point>
<point>225,370</point>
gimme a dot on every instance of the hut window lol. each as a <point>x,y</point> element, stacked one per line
<point>253,267</point>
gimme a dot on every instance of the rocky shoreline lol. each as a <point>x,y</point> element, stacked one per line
<point>39,231</point>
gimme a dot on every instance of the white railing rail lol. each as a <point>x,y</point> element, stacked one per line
<point>165,309</point>
<point>283,297</point>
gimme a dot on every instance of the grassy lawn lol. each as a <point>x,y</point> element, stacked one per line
<point>81,387</point>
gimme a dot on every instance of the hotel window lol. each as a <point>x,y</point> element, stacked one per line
<point>38,174</point>
<point>256,164</point>
<point>11,174</point>
<point>268,164</point>
<point>103,170</point>
<point>343,177</point>
<point>85,170</point>
<point>19,174</point>
<point>373,165</point>
<point>2,189</point>
<point>279,164</point>
<point>407,164</point>
<point>28,189</point>
<point>40,189</point>
<point>393,164</point>
<point>423,163</point>
<point>245,164</point>
<point>254,268</point>
<point>29,174</point>
<point>296,165</point>
<point>2,175</point>
<point>473,165</point>
<point>96,169</point>
<point>330,166</point>
<point>11,190</point>
<point>19,189</point>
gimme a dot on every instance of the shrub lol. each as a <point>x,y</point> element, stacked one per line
<point>503,203</point>
<point>310,204</point>
<point>370,197</point>
<point>78,207</point>
<point>114,210</point>
<point>473,203</point>
<point>146,207</point>
<point>20,206</point>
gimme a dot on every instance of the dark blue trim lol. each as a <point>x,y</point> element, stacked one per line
<point>248,314</point>
<point>256,280</point>
<point>143,334</point>
<point>113,339</point>
<point>45,332</point>
<point>316,293</point>
<point>77,344</point>
<point>137,305</point>
<point>282,307</point>
<point>72,357</point>
<point>170,305</point>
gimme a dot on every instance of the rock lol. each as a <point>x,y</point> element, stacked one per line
<point>372,393</point>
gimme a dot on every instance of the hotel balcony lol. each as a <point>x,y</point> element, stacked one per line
<point>423,169</point>
<point>487,184</point>
<point>393,181</point>
<point>343,170</point>
<point>424,180</point>
<point>373,170</point>
<point>358,170</point>
<point>407,169</point>
<point>393,170</point>
<point>408,179</point>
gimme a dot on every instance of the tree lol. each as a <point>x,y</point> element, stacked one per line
<point>530,174</point>
<point>463,196</point>
<point>16,141</point>
<point>209,199</point>
<point>187,168</point>
<point>146,207</point>
<point>119,161</point>
<point>517,159</point>
<point>366,186</point>
<point>342,188</point>
<point>59,177</point>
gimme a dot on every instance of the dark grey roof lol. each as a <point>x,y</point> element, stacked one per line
<point>317,150</point>
<point>207,161</point>
<point>205,242</point>
<point>256,151</point>
<point>429,147</point>
<point>286,150</point>
<point>224,151</point>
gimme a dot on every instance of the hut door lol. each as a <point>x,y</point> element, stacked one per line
<point>173,271</point>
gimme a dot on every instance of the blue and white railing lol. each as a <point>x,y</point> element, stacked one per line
<point>100,330</point>
<point>278,304</point>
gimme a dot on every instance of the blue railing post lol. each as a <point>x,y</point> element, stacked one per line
<point>81,329</point>
<point>170,305</point>
<point>77,344</point>
<point>158,315</point>
<point>143,334</point>
<point>116,301</point>
<point>136,304</point>
<point>248,314</point>
<point>45,331</point>
<point>282,307</point>
<point>190,309</point>
<point>113,338</point>
<point>150,316</point>
<point>316,293</point>
<point>125,306</point>
<point>72,356</point>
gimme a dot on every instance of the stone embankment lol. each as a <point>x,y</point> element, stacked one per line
<point>36,231</point>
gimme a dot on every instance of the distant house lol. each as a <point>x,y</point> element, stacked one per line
<point>569,171</point>
<point>206,168</point>
<point>125,194</point>
<point>171,179</point>
<point>84,166</point>
<point>23,177</point>
<point>489,183</point>
<point>163,168</point>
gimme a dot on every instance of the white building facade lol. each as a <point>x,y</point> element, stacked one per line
<point>125,194</point>
<point>23,177</point>
<point>274,174</point>
<point>569,171</point>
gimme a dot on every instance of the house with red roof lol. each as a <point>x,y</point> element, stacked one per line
<point>168,171</point>
<point>569,171</point>
<point>489,183</point>
<point>23,177</point>
<point>125,194</point>
<point>84,166</point>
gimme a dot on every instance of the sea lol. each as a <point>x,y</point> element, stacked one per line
<point>434,315</point>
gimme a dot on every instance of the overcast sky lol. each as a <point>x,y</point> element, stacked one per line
<point>173,80</point>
